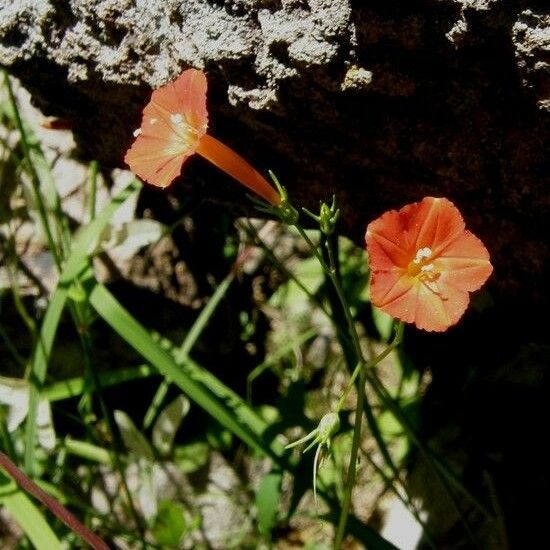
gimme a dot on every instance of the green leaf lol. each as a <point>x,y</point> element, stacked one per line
<point>133,439</point>
<point>170,524</point>
<point>200,386</point>
<point>191,457</point>
<point>168,422</point>
<point>87,451</point>
<point>267,501</point>
<point>27,516</point>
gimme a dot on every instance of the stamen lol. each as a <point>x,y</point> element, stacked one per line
<point>422,253</point>
<point>153,121</point>
<point>137,132</point>
<point>176,118</point>
<point>427,267</point>
<point>432,286</point>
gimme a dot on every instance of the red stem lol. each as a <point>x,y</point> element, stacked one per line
<point>55,507</point>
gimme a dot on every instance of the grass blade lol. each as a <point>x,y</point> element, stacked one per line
<point>73,387</point>
<point>190,339</point>
<point>215,398</point>
<point>75,266</point>
<point>27,516</point>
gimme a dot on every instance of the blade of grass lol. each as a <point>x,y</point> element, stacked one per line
<point>94,168</point>
<point>35,181</point>
<point>73,387</point>
<point>75,265</point>
<point>28,516</point>
<point>190,339</point>
<point>51,503</point>
<point>232,413</point>
<point>39,365</point>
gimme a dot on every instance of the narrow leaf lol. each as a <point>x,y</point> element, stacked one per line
<point>168,422</point>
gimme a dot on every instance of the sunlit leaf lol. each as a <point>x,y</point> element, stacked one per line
<point>134,441</point>
<point>267,500</point>
<point>170,524</point>
<point>168,422</point>
<point>127,239</point>
<point>191,457</point>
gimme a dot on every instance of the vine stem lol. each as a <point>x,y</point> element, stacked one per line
<point>352,468</point>
<point>360,370</point>
<point>371,364</point>
<point>55,507</point>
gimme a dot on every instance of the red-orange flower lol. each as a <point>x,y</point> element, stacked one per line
<point>424,263</point>
<point>174,127</point>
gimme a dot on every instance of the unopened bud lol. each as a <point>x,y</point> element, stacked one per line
<point>328,216</point>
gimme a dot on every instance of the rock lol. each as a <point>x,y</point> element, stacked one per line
<point>380,102</point>
<point>531,35</point>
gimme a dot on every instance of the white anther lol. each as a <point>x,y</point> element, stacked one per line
<point>176,118</point>
<point>422,253</point>
<point>137,132</point>
<point>427,267</point>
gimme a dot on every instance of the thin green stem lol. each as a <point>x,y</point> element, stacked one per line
<point>251,231</point>
<point>373,363</point>
<point>34,176</point>
<point>313,248</point>
<point>352,468</point>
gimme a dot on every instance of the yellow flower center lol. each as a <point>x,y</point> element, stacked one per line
<point>422,266</point>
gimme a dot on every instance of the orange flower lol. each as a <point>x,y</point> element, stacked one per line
<point>424,263</point>
<point>174,127</point>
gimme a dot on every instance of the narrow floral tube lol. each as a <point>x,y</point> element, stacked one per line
<point>173,128</point>
<point>233,164</point>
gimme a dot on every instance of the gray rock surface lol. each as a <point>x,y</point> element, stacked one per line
<point>382,102</point>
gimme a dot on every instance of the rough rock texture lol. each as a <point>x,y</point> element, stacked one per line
<point>382,102</point>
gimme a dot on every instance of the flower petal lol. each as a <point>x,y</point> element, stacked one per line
<point>432,222</point>
<point>157,166</point>
<point>394,293</point>
<point>464,263</point>
<point>387,242</point>
<point>173,122</point>
<point>426,287</point>
<point>440,307</point>
<point>185,96</point>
